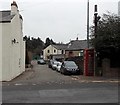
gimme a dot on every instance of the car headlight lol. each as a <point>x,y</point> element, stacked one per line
<point>67,69</point>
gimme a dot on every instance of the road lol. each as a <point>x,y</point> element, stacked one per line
<point>43,85</point>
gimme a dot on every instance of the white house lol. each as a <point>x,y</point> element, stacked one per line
<point>57,50</point>
<point>12,46</point>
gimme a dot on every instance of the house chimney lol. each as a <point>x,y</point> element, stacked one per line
<point>14,8</point>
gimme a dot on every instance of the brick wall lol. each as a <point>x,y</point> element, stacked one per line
<point>107,70</point>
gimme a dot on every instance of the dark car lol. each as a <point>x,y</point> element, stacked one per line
<point>69,67</point>
<point>41,61</point>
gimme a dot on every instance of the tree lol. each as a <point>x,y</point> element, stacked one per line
<point>48,42</point>
<point>33,43</point>
<point>108,32</point>
<point>107,41</point>
<point>52,41</point>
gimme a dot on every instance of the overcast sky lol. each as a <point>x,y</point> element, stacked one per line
<point>60,20</point>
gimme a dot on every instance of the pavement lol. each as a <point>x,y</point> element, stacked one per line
<point>83,78</point>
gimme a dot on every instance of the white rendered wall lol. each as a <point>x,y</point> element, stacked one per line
<point>51,49</point>
<point>0,52</point>
<point>22,48</point>
<point>18,49</point>
<point>6,51</point>
<point>0,63</point>
<point>13,57</point>
<point>45,52</point>
<point>59,51</point>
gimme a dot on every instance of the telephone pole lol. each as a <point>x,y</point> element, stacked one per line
<point>88,23</point>
<point>96,19</point>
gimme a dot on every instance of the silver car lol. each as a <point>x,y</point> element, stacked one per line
<point>54,65</point>
<point>58,66</point>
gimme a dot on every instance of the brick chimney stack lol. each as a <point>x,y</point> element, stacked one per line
<point>14,8</point>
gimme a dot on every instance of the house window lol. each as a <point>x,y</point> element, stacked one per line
<point>71,54</point>
<point>48,51</point>
<point>54,51</point>
<point>81,53</point>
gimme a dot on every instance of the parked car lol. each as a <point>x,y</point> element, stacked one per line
<point>69,67</point>
<point>58,66</point>
<point>50,63</point>
<point>54,65</point>
<point>41,61</point>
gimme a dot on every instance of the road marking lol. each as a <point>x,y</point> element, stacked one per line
<point>18,84</point>
<point>34,84</point>
<point>85,81</point>
<point>76,78</point>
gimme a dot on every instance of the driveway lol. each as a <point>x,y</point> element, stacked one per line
<point>42,74</point>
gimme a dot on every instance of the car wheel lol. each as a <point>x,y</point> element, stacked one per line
<point>78,72</point>
<point>64,72</point>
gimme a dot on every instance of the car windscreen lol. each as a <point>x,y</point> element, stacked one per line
<point>70,64</point>
<point>41,60</point>
<point>55,63</point>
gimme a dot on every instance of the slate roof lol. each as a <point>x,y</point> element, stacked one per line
<point>60,46</point>
<point>72,45</point>
<point>5,16</point>
<point>77,45</point>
